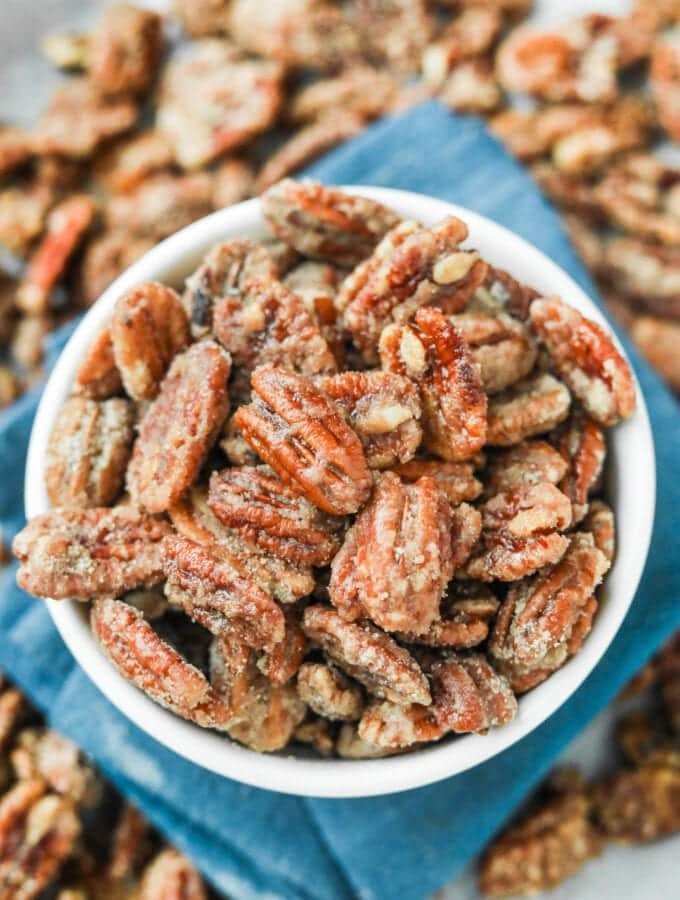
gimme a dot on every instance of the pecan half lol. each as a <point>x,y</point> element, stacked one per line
<point>465,616</point>
<point>88,452</point>
<point>638,805</point>
<point>500,289</point>
<point>469,695</point>
<point>369,655</point>
<point>98,377</point>
<point>600,523</point>
<point>455,480</point>
<point>582,444</point>
<point>148,328</point>
<point>38,753</point>
<point>527,408</point>
<point>530,462</point>
<point>394,727</point>
<point>298,430</point>
<point>329,692</point>
<point>82,553</point>
<point>433,353</point>
<point>499,345</point>
<point>283,660</point>
<point>171,875</point>
<point>180,426</point>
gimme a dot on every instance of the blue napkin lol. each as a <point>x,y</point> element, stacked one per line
<point>255,844</point>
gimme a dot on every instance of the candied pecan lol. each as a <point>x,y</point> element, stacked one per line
<point>669,678</point>
<point>125,50</point>
<point>576,62</point>
<point>527,463</point>
<point>329,692</point>
<point>82,553</point>
<point>282,662</point>
<point>213,100</point>
<point>642,682</point>
<point>257,504</point>
<point>38,831</point>
<point>500,346</point>
<point>297,430</point>
<point>432,352</point>
<point>129,844</point>
<point>582,444</point>
<point>234,182</point>
<point>23,211</point>
<point>203,18</point>
<point>634,806</point>
<point>501,289</point>
<point>383,408</point>
<point>368,655</point>
<point>316,284</point>
<point>170,875</point>
<point>464,618</point>
<point>657,339</point>
<point>586,241</point>
<point>529,407</point>
<point>224,272</point>
<point>394,727</point>
<point>149,327</point>
<point>574,193</point>
<point>318,733</point>
<point>214,589</point>
<point>180,426</point>
<point>643,741</point>
<point>539,616</point>
<point>105,256</point>
<point>470,33</point>
<point>131,160</point>
<point>98,377</point>
<point>265,716</point>
<point>544,848</point>
<point>194,519</point>
<point>398,557</point>
<point>645,271</point>
<point>162,204</point>
<point>396,31</point>
<point>586,358</point>
<point>664,81</point>
<point>471,88</point>
<point>45,754</point>
<point>360,89</point>
<point>325,223</point>
<point>88,452</point>
<point>468,695</point>
<point>28,340</point>
<point>410,268</point>
<point>235,448</point>
<point>306,144</point>
<point>155,667</point>
<point>350,746</point>
<point>455,480</point>
<point>79,119</point>
<point>65,227</point>
<point>15,148</point>
<point>150,602</point>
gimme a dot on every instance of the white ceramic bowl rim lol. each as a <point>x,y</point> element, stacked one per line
<point>633,470</point>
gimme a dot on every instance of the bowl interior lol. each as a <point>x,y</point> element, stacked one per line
<point>631,488</point>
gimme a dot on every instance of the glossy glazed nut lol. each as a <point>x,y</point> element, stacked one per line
<point>171,875</point>
<point>635,806</point>
<point>325,223</point>
<point>265,716</point>
<point>213,100</point>
<point>224,272</point>
<point>384,410</point>
<point>410,268</point>
<point>669,680</point>
<point>582,445</point>
<point>299,432</point>
<point>330,693</point>
<point>180,426</point>
<point>83,553</point>
<point>587,359</point>
<point>527,463</point>
<point>466,613</point>
<point>500,346</point>
<point>216,591</point>
<point>456,481</point>
<point>66,226</point>
<point>398,557</point>
<point>368,655</point>
<point>149,327</point>
<point>267,512</point>
<point>105,256</point>
<point>125,50</point>
<point>88,452</point>
<point>391,726</point>
<point>529,407</point>
<point>155,667</point>
<point>468,695</point>
<point>162,204</point>
<point>432,352</point>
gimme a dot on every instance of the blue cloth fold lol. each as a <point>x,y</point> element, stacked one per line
<point>254,844</point>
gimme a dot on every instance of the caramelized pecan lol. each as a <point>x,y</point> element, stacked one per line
<point>329,692</point>
<point>527,408</point>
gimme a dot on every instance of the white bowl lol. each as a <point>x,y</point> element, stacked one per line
<point>631,484</point>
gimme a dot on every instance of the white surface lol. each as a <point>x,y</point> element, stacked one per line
<point>631,485</point>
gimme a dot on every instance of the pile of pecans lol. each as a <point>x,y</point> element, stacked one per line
<point>149,133</point>
<point>360,468</point>
<point>64,831</point>
<point>571,821</point>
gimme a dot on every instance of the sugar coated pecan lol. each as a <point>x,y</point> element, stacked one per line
<point>88,452</point>
<point>395,727</point>
<point>180,426</point>
<point>15,148</point>
<point>214,589</point>
<point>600,523</point>
<point>432,352</point>
<point>499,288</point>
<point>224,271</point>
<point>456,481</point>
<point>46,754</point>
<point>297,430</point>
<point>171,875</point>
<point>586,358</point>
<point>646,271</point>
<point>329,692</point>
<point>468,34</point>
<point>282,662</point>
<point>368,655</point>
<point>256,503</point>
<point>499,345</point>
<point>162,204</point>
<point>657,340</point>
<point>639,805</point>
<point>82,553</point>
<point>665,81</point>
<point>582,444</point>
<point>317,733</point>
<point>466,613</point>
<point>148,328</point>
<point>125,50</point>
<point>471,87</point>
<point>669,678</point>
<point>384,410</point>
<point>398,558</point>
<point>529,407</point>
<point>364,90</point>
<point>527,463</point>
<point>128,162</point>
<point>642,739</point>
<point>105,256</point>
<point>350,746</point>
<point>469,695</point>
<point>155,667</point>
<point>410,268</point>
<point>325,223</point>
